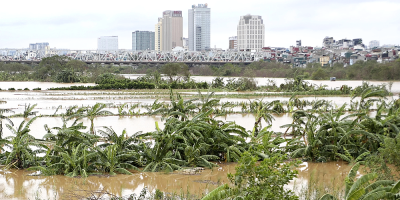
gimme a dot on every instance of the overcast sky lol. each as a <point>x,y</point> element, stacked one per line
<point>76,24</point>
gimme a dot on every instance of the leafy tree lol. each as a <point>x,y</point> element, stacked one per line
<point>320,74</point>
<point>28,111</point>
<point>261,111</point>
<point>3,117</point>
<point>50,66</point>
<point>160,157</point>
<point>76,66</point>
<point>22,155</point>
<point>67,76</point>
<point>110,160</point>
<point>94,111</point>
<point>68,137</point>
<point>175,70</point>
<point>195,156</point>
<point>77,162</point>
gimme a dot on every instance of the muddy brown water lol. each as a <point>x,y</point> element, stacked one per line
<point>18,184</point>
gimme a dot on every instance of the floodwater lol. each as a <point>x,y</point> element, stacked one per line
<point>262,81</point>
<point>133,124</point>
<point>18,184</point>
<point>43,85</point>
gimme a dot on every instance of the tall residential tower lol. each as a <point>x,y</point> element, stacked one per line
<point>142,40</point>
<point>171,30</point>
<point>251,33</point>
<point>199,28</point>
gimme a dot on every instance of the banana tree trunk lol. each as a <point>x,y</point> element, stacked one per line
<point>91,126</point>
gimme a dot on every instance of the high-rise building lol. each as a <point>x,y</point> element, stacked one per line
<point>158,35</point>
<point>233,42</point>
<point>373,44</point>
<point>107,43</point>
<point>251,33</point>
<point>199,28</point>
<point>143,40</point>
<point>171,30</point>
<point>38,46</point>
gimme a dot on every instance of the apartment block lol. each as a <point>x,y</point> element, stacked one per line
<point>251,33</point>
<point>143,40</point>
<point>199,28</point>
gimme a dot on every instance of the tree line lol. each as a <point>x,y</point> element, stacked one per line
<point>63,69</point>
<point>58,69</point>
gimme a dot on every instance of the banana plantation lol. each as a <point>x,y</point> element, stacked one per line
<point>193,135</point>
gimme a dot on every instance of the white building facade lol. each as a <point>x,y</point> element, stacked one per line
<point>251,33</point>
<point>158,35</point>
<point>199,28</point>
<point>107,43</point>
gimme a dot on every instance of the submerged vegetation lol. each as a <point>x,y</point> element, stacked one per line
<point>194,136</point>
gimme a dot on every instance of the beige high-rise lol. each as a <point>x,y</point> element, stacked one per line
<point>158,35</point>
<point>250,33</point>
<point>172,30</point>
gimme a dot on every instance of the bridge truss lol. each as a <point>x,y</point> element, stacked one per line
<point>93,56</point>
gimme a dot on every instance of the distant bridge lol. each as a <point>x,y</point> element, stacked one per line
<point>134,57</point>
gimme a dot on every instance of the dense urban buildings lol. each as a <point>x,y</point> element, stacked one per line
<point>251,33</point>
<point>233,42</point>
<point>158,35</point>
<point>143,40</point>
<point>328,42</point>
<point>107,43</point>
<point>39,46</point>
<point>171,30</point>
<point>199,28</point>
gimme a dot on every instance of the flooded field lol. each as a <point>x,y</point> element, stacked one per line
<point>19,184</point>
<point>265,81</point>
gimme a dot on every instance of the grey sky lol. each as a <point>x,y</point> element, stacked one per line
<point>76,24</point>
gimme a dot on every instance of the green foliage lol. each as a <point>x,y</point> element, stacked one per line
<point>366,188</point>
<point>92,112</point>
<point>320,74</point>
<point>258,181</point>
<point>175,70</point>
<point>20,142</point>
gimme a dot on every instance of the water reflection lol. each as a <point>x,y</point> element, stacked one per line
<point>17,184</point>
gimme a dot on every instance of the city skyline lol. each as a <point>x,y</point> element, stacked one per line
<point>78,25</point>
